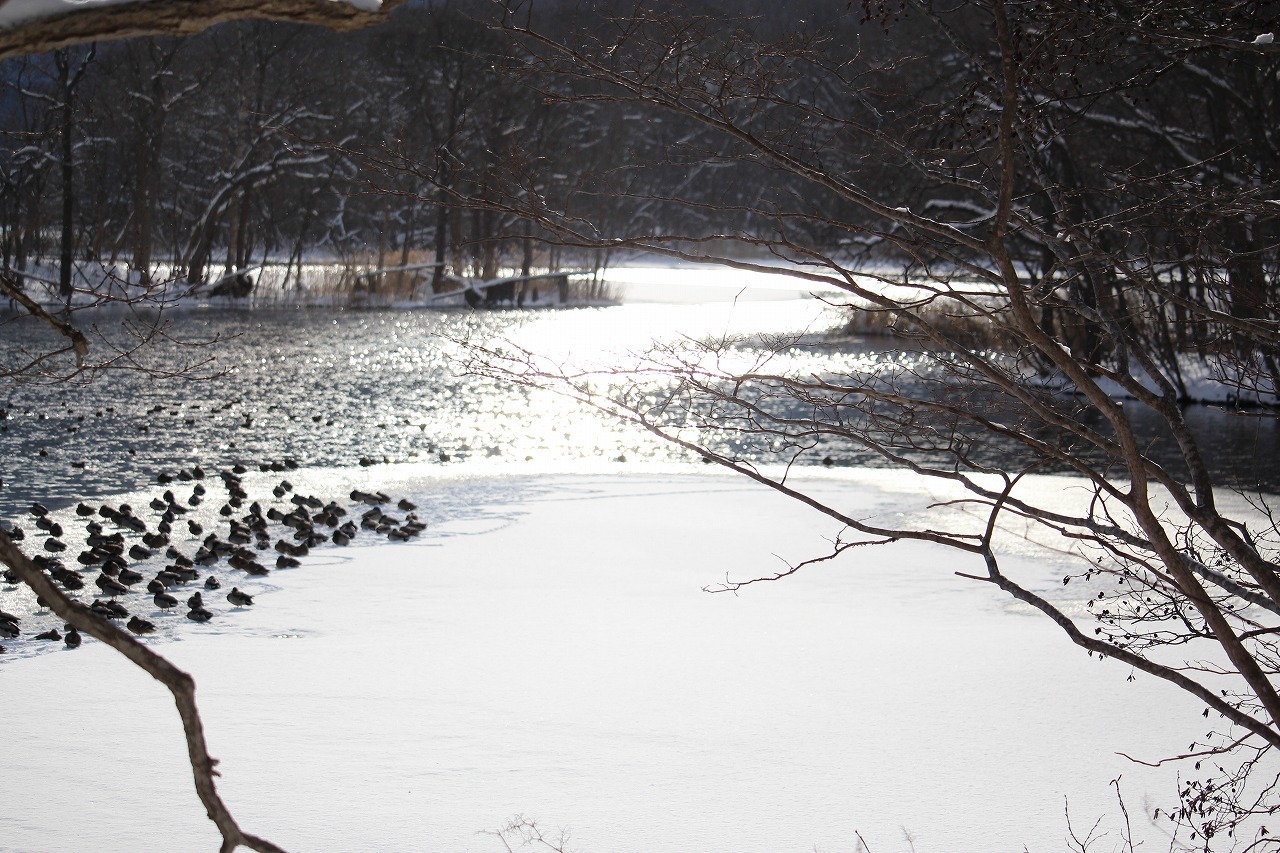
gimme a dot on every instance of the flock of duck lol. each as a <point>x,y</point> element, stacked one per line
<point>118,542</point>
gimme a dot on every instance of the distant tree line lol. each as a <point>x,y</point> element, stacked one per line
<point>438,138</point>
<point>197,156</point>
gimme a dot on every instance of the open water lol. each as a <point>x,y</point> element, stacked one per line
<point>330,388</point>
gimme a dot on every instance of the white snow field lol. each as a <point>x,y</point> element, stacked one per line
<point>554,655</point>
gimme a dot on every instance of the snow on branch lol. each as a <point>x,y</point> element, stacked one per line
<point>38,26</point>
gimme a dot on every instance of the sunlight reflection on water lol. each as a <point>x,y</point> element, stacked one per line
<point>332,388</point>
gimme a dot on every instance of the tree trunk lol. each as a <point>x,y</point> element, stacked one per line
<point>441,247</point>
<point>66,246</point>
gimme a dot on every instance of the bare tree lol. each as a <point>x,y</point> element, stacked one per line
<point>1030,192</point>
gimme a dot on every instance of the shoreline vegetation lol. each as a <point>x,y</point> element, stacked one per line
<point>1196,367</point>
<point>318,283</point>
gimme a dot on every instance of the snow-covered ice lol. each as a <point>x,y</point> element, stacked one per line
<point>553,655</point>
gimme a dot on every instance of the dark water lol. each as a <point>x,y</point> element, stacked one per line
<point>335,389</point>
<point>317,387</point>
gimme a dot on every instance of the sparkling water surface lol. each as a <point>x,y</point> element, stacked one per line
<point>336,388</point>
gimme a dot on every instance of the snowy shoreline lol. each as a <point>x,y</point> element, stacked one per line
<point>552,654</point>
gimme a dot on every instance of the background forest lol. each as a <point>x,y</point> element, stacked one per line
<point>194,157</point>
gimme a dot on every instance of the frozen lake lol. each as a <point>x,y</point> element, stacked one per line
<point>547,648</point>
<point>554,655</point>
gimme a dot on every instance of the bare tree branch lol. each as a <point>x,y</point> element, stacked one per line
<point>175,17</point>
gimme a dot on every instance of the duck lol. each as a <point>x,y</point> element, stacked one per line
<point>71,581</point>
<point>109,609</point>
<point>238,598</point>
<point>196,601</point>
<point>184,575</point>
<point>140,626</point>
<point>212,582</point>
<point>199,614</point>
<point>168,578</point>
<point>51,634</point>
<point>110,585</point>
<point>72,637</point>
<point>253,567</point>
<point>165,601</point>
